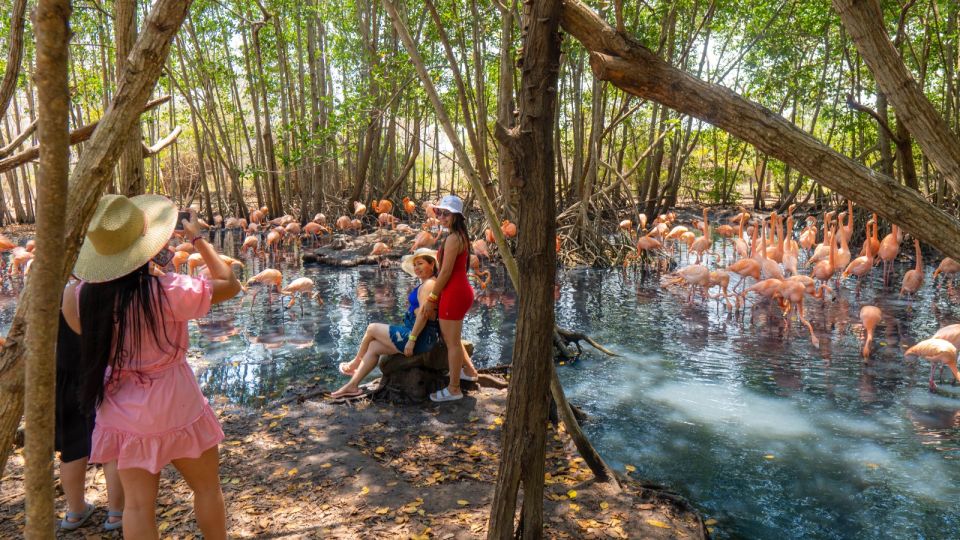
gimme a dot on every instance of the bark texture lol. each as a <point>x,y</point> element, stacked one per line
<point>53,37</point>
<point>131,160</point>
<point>87,182</point>
<point>530,144</point>
<point>632,67</point>
<point>863,20</point>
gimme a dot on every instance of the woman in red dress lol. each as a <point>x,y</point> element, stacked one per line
<point>452,295</point>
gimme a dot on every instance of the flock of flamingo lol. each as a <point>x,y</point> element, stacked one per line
<point>766,250</point>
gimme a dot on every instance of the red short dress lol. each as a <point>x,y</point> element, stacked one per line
<point>457,296</point>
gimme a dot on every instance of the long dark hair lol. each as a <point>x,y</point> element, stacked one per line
<point>458,226</point>
<point>111,313</point>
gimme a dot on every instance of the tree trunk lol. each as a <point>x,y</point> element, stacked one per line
<point>14,56</point>
<point>531,146</point>
<point>274,200</point>
<point>46,282</point>
<point>634,68</point>
<point>863,20</point>
<point>131,160</point>
<point>87,182</point>
<point>505,103</point>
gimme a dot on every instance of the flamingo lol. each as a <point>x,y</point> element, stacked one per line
<point>508,229</point>
<point>947,267</point>
<point>693,276</point>
<point>302,286</point>
<point>703,243</point>
<point>269,277</point>
<point>385,207</point>
<point>936,351</point>
<point>483,276</point>
<point>869,316</point>
<point>889,249</point>
<point>320,219</point>
<point>342,223</point>
<point>359,209</point>
<point>480,248</point>
<point>792,293</point>
<point>861,266</point>
<point>824,270</point>
<point>808,237</point>
<point>179,259</point>
<point>913,279</point>
<point>250,243</point>
<point>872,239</point>
<point>423,239</point>
<point>409,206</point>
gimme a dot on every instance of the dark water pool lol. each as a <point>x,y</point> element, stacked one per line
<point>764,433</point>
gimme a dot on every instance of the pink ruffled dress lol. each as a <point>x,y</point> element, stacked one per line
<point>155,412</point>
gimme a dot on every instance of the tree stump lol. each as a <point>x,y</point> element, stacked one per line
<point>411,380</point>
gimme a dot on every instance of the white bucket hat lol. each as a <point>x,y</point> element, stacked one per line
<point>407,263</point>
<point>123,235</point>
<point>452,203</point>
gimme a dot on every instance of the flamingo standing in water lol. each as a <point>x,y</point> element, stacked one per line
<point>301,286</point>
<point>947,267</point>
<point>861,266</point>
<point>913,279</point>
<point>702,244</point>
<point>792,293</point>
<point>889,249</point>
<point>936,351</point>
<point>869,316</point>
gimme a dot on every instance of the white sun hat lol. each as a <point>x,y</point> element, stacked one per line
<point>123,235</point>
<point>407,263</point>
<point>452,203</point>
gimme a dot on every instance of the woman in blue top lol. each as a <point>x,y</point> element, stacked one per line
<point>417,334</point>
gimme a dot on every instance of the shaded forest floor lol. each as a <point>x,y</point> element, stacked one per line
<point>326,470</point>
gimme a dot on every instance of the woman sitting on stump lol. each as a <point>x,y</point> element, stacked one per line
<point>417,335</point>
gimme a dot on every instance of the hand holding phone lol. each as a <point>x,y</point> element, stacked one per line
<point>182,215</point>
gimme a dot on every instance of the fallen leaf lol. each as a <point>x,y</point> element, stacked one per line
<point>326,466</point>
<point>572,494</point>
<point>710,522</point>
<point>292,472</point>
<point>657,523</point>
<point>379,450</point>
<point>382,510</point>
<point>365,490</point>
<point>463,502</point>
<point>604,505</point>
<point>769,456</point>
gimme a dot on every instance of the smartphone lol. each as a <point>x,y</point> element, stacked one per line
<point>182,215</point>
<point>163,257</point>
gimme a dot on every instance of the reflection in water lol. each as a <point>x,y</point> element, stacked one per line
<point>767,434</point>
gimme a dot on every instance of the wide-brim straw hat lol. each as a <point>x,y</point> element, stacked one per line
<point>452,203</point>
<point>407,263</point>
<point>123,235</point>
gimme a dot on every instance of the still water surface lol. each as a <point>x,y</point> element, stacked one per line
<point>763,432</point>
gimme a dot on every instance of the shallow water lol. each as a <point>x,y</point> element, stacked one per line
<point>763,432</point>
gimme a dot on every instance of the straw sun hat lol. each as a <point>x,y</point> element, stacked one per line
<point>123,235</point>
<point>407,263</point>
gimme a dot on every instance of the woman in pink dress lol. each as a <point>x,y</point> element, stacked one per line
<point>150,411</point>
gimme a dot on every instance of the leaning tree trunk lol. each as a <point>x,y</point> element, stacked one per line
<point>863,20</point>
<point>87,182</point>
<point>53,93</point>
<point>635,69</point>
<point>530,144</point>
<point>14,55</point>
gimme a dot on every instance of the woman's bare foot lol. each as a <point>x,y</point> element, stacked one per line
<point>346,392</point>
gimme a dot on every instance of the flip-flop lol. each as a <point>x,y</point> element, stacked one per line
<point>465,377</point>
<point>347,395</point>
<point>115,525</point>
<point>444,395</point>
<point>81,518</point>
<point>342,367</point>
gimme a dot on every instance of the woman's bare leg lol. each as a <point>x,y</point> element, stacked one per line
<point>140,503</point>
<point>451,336</point>
<point>203,476</point>
<point>367,364</point>
<point>72,478</point>
<point>114,489</point>
<point>375,331</point>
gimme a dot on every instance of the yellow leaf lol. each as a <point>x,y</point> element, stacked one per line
<point>572,494</point>
<point>326,466</point>
<point>463,502</point>
<point>382,510</point>
<point>574,507</point>
<point>604,505</point>
<point>365,490</point>
<point>292,472</point>
<point>379,450</point>
<point>498,420</point>
<point>657,523</point>
<point>769,456</point>
<point>710,522</point>
<point>164,525</point>
<point>630,468</point>
<point>273,424</point>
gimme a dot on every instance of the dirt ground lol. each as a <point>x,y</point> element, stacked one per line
<point>321,469</point>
